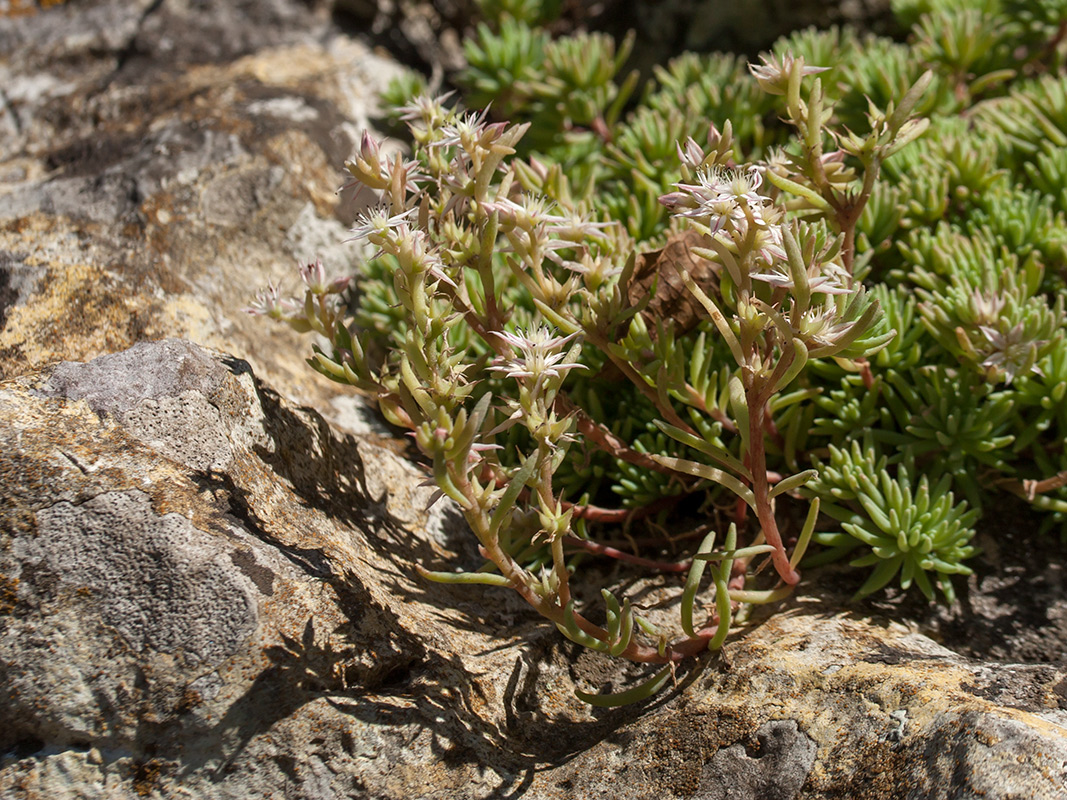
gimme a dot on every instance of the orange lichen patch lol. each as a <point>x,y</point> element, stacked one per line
<point>21,8</point>
<point>8,594</point>
<point>146,777</point>
<point>26,228</point>
<point>1034,721</point>
<point>189,700</point>
<point>67,442</point>
<point>78,309</point>
<point>78,312</point>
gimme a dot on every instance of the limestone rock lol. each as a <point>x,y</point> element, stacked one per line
<point>161,162</point>
<point>208,592</point>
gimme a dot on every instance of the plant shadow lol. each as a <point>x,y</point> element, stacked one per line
<point>372,666</point>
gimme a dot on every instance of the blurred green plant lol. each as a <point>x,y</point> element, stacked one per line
<point>617,321</point>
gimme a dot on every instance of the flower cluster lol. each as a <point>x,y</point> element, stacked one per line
<point>539,355</point>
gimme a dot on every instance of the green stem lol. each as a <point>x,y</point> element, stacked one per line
<point>549,607</point>
<point>669,414</point>
<point>848,216</point>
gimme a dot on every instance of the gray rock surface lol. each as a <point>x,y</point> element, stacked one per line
<point>207,589</point>
<point>162,161</point>
<point>229,609</point>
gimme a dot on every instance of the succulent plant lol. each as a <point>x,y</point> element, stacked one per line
<point>618,320</point>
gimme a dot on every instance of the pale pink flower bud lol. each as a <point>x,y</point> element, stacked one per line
<point>773,75</point>
<point>367,167</point>
<point>539,169</point>
<point>314,277</point>
<point>692,155</point>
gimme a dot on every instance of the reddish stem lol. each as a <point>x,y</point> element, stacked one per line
<point>629,558</point>
<point>603,438</point>
<point>622,515</point>
<point>865,373</point>
<point>761,489</point>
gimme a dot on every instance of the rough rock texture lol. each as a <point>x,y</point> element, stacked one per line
<point>228,609</point>
<point>160,162</point>
<point>207,589</point>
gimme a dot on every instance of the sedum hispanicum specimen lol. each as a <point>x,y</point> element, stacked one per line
<point>817,298</point>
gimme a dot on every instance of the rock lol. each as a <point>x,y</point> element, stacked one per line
<point>161,162</point>
<point>207,588</point>
<point>207,591</point>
